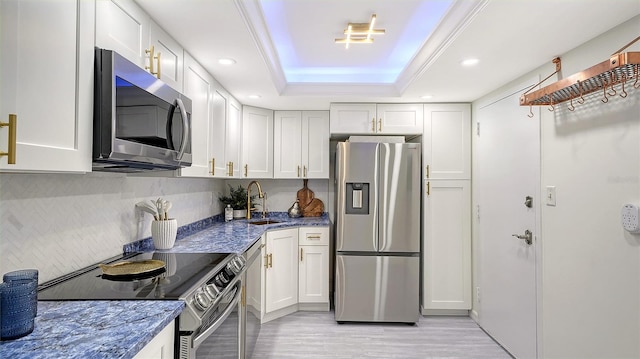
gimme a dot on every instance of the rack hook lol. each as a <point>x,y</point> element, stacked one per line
<point>604,91</point>
<point>613,82</point>
<point>571,107</point>
<point>530,114</point>
<point>581,100</point>
<point>623,94</point>
<point>551,107</point>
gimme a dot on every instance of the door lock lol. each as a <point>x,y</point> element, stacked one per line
<point>528,201</point>
<point>527,236</point>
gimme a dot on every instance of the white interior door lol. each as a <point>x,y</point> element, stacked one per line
<point>508,170</point>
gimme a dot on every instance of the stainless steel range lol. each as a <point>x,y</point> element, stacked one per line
<point>211,286</point>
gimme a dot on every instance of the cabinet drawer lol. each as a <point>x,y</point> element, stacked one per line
<point>309,236</point>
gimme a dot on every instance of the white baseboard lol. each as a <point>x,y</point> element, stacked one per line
<point>449,312</point>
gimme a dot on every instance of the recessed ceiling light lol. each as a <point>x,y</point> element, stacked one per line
<point>254,96</point>
<point>226,61</point>
<point>426,97</point>
<point>469,62</point>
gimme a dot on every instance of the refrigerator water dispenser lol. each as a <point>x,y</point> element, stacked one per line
<point>357,201</point>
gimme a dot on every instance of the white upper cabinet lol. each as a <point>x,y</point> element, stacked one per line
<point>446,142</point>
<point>218,133</point>
<point>399,119</point>
<point>235,124</point>
<point>197,86</point>
<point>122,26</point>
<point>315,144</point>
<point>353,118</point>
<point>287,137</point>
<point>46,80</point>
<point>168,56</point>
<point>368,118</point>
<point>301,144</point>
<point>257,142</point>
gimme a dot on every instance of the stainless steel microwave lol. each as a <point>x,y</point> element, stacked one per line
<point>140,123</point>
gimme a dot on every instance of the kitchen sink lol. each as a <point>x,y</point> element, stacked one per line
<point>263,222</point>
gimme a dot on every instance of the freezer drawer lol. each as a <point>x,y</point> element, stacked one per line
<point>377,288</point>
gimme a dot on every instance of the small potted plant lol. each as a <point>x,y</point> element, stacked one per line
<point>237,198</point>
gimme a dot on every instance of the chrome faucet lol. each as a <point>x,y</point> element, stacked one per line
<point>260,195</point>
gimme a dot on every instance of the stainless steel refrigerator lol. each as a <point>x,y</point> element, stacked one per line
<point>377,232</point>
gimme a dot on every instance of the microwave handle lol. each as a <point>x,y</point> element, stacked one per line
<point>186,128</point>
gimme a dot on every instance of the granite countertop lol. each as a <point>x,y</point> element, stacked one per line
<point>120,329</point>
<point>238,235</point>
<point>93,329</point>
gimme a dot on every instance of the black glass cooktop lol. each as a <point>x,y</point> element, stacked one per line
<point>182,271</point>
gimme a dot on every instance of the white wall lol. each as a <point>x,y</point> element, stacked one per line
<point>59,223</point>
<point>590,295</point>
<point>590,265</point>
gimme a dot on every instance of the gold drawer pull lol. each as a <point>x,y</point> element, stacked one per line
<point>246,170</point>
<point>213,166</point>
<point>314,237</point>
<point>11,151</point>
<point>300,254</point>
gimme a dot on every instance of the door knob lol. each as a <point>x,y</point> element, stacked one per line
<point>527,236</point>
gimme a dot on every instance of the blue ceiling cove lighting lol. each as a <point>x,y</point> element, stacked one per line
<point>311,56</point>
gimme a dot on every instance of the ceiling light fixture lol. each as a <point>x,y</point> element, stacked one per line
<point>254,96</point>
<point>360,33</point>
<point>469,62</point>
<point>226,62</point>
<point>426,97</point>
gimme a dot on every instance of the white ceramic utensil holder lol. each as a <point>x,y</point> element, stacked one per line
<point>164,233</point>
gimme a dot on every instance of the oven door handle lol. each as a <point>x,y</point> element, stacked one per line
<point>202,337</point>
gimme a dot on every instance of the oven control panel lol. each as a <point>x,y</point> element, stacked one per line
<point>212,290</point>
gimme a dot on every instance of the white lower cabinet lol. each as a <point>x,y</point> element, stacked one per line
<point>295,272</point>
<point>313,266</point>
<point>281,275</point>
<point>161,346</point>
<point>446,245</point>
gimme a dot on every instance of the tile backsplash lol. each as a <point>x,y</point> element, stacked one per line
<point>59,223</point>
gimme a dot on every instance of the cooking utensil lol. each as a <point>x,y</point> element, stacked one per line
<point>304,195</point>
<point>167,207</point>
<point>314,209</point>
<point>149,208</point>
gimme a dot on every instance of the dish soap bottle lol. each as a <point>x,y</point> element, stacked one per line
<point>228,213</point>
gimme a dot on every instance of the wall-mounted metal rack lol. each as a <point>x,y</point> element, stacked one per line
<point>622,67</point>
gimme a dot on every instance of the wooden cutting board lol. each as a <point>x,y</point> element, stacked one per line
<point>304,195</point>
<point>314,209</point>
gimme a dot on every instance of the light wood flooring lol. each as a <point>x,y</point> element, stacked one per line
<point>309,335</point>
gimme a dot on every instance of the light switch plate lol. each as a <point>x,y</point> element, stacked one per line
<point>551,196</point>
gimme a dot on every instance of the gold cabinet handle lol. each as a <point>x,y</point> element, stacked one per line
<point>428,188</point>
<point>313,237</point>
<point>152,57</point>
<point>373,124</point>
<point>246,170</point>
<point>11,150</point>
<point>427,171</point>
<point>304,171</point>
<point>158,74</point>
<point>149,53</point>
<point>266,261</point>
<point>213,166</point>
<point>380,125</point>
<point>298,171</point>
<point>230,169</point>
<point>300,254</point>
<point>270,260</point>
